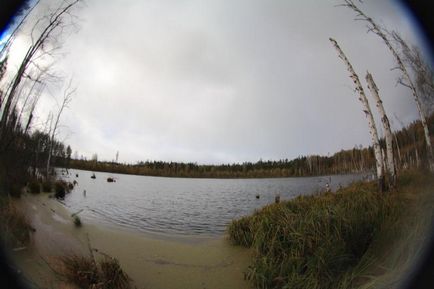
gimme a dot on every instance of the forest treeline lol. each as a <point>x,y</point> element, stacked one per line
<point>409,144</point>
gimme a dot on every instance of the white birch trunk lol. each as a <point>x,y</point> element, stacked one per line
<point>390,162</point>
<point>368,113</point>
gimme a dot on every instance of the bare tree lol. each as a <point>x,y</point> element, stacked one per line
<point>422,72</point>
<point>390,161</point>
<point>54,22</point>
<point>67,97</point>
<point>406,79</point>
<point>367,110</point>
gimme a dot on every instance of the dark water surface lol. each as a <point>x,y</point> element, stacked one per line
<point>183,206</point>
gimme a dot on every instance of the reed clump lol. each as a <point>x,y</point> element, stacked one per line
<point>324,240</point>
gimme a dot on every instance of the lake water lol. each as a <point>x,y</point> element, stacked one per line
<point>182,206</point>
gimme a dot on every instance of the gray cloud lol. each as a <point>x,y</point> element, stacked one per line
<point>224,81</point>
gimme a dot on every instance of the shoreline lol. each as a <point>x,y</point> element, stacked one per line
<point>365,172</point>
<point>151,260</point>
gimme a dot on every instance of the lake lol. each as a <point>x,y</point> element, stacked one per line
<point>182,206</point>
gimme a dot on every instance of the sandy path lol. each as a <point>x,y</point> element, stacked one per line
<point>153,262</point>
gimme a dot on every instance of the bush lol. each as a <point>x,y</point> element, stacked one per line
<point>34,187</point>
<point>81,271</point>
<point>60,189</point>
<point>112,274</point>
<point>86,272</point>
<point>47,186</point>
<point>14,190</point>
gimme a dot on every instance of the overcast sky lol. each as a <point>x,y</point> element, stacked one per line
<point>223,81</point>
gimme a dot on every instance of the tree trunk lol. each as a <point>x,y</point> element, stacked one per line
<point>367,110</point>
<point>390,162</point>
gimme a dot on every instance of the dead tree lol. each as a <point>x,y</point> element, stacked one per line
<point>55,23</point>
<point>367,110</point>
<point>67,97</point>
<point>422,72</point>
<point>406,79</point>
<point>390,161</point>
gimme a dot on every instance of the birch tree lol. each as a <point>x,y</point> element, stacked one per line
<point>368,113</point>
<point>406,79</point>
<point>390,160</point>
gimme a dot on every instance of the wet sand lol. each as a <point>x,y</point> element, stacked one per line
<point>152,261</point>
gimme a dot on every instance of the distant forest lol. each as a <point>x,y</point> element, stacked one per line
<point>408,142</point>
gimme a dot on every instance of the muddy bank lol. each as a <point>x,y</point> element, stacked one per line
<point>152,261</point>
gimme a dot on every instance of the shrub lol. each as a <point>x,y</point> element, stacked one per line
<point>113,275</point>
<point>86,272</point>
<point>34,187</point>
<point>14,190</point>
<point>60,188</point>
<point>47,186</point>
<point>81,271</point>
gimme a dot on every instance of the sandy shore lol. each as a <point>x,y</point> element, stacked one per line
<point>153,262</point>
